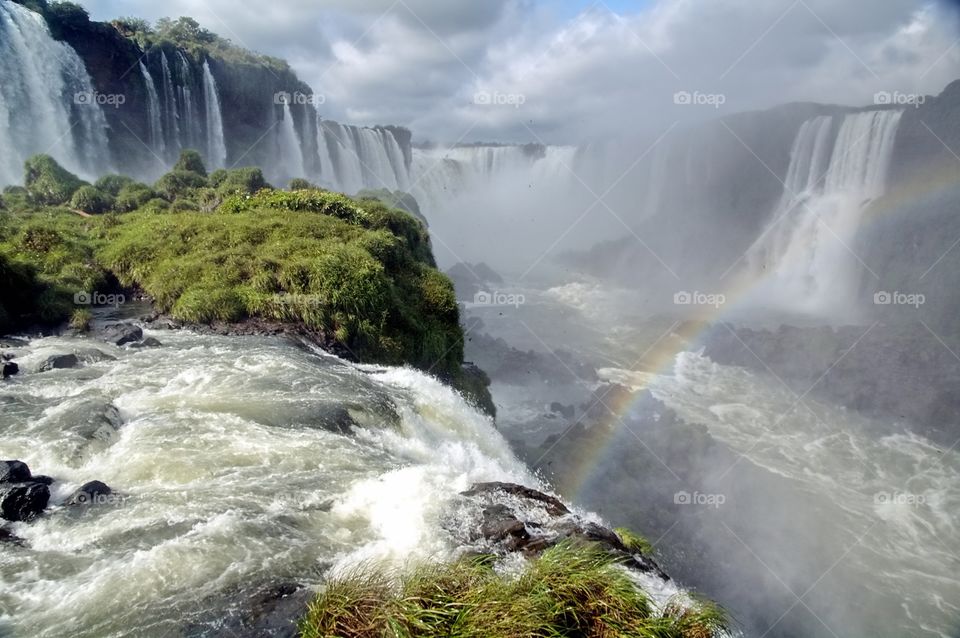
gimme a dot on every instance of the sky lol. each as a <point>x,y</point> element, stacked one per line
<point>574,70</point>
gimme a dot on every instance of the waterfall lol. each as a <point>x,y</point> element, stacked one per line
<point>157,144</point>
<point>47,100</point>
<point>289,155</point>
<point>216,147</point>
<point>807,251</point>
<point>192,135</point>
<point>170,111</point>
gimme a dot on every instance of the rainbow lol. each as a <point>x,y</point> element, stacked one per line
<point>686,334</point>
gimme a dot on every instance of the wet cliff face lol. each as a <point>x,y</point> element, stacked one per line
<point>154,95</point>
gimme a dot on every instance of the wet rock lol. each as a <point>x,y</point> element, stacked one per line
<point>91,493</point>
<point>554,506</point>
<point>10,368</point>
<point>59,362</point>
<point>23,501</point>
<point>45,480</point>
<point>12,342</point>
<point>94,420</point>
<point>95,356</point>
<point>521,519</point>
<point>121,333</point>
<point>149,342</point>
<point>6,536</point>
<point>14,472</point>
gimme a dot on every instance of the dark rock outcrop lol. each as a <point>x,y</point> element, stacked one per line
<point>14,472</point>
<point>120,333</point>
<point>9,369</point>
<point>23,501</point>
<point>59,362</point>
<point>515,518</point>
<point>91,493</point>
<point>149,342</point>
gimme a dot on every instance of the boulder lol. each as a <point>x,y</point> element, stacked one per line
<point>14,472</point>
<point>91,493</point>
<point>121,333</point>
<point>10,368</point>
<point>59,362</point>
<point>23,501</point>
<point>149,342</point>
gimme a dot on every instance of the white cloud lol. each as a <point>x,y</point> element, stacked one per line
<point>420,62</point>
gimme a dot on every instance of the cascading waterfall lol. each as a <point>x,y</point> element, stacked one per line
<point>806,252</point>
<point>170,111</point>
<point>192,133</point>
<point>47,100</point>
<point>288,152</point>
<point>216,147</point>
<point>157,144</point>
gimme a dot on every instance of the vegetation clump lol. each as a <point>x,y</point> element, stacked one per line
<point>570,590</point>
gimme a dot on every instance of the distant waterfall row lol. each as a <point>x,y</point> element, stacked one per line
<point>173,113</point>
<point>47,101</point>
<point>834,173</point>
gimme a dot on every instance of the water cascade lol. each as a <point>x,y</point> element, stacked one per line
<point>171,113</point>
<point>216,147</point>
<point>806,251</point>
<point>47,101</point>
<point>157,144</point>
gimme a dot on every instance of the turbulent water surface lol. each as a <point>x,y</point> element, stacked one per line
<point>230,473</point>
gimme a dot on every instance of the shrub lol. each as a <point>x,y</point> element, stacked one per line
<point>91,200</point>
<point>48,183</point>
<point>239,181</point>
<point>156,205</point>
<point>132,197</point>
<point>113,184</point>
<point>300,184</point>
<point>570,590</point>
<point>80,320</point>
<point>179,183</point>
<point>191,162</point>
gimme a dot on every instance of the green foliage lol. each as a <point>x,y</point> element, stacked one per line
<point>300,184</point>
<point>178,183</point>
<point>63,17</point>
<point>634,542</point>
<point>190,161</point>
<point>48,183</point>
<point>570,590</point>
<point>237,181</point>
<point>90,199</point>
<point>113,184</point>
<point>132,197</point>
<point>80,320</point>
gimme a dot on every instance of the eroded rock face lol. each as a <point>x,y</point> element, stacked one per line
<point>514,518</point>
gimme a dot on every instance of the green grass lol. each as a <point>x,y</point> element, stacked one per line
<point>569,591</point>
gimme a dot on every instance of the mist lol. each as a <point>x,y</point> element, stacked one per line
<point>707,253</point>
